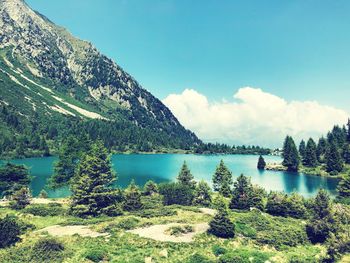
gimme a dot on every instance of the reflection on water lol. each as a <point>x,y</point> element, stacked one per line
<point>165,167</point>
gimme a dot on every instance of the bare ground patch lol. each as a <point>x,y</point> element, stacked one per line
<point>159,232</point>
<point>59,231</point>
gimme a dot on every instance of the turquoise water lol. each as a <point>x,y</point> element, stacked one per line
<point>165,167</point>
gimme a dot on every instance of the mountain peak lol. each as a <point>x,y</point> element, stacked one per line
<point>73,77</point>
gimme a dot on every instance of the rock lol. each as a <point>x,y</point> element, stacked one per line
<point>163,253</point>
<point>148,260</point>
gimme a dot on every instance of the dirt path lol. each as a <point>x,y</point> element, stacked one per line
<point>158,232</point>
<point>59,231</point>
<point>208,211</point>
<point>39,201</point>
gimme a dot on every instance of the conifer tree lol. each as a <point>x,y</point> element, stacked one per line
<point>344,187</point>
<point>185,177</point>
<point>150,188</point>
<point>43,147</point>
<point>245,195</point>
<point>20,199</point>
<point>92,194</point>
<point>346,153</point>
<point>321,149</point>
<point>10,231</point>
<point>221,225</point>
<point>12,178</point>
<point>202,194</point>
<point>348,131</point>
<point>310,156</point>
<point>323,222</point>
<point>241,190</point>
<point>261,163</point>
<point>290,155</point>
<point>334,160</point>
<point>66,166</point>
<point>302,148</point>
<point>132,197</point>
<point>222,179</point>
<point>43,194</point>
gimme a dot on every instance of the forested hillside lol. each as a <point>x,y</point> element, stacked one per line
<point>54,85</point>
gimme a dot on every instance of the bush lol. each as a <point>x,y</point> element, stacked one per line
<point>279,232</point>
<point>319,230</point>
<point>245,230</point>
<point>281,238</point>
<point>128,223</point>
<point>43,194</point>
<point>180,230</point>
<point>152,201</point>
<point>175,193</point>
<point>149,213</point>
<point>218,250</point>
<point>96,254</point>
<point>244,256</point>
<point>48,249</point>
<point>52,209</point>
<point>9,231</point>
<point>280,204</point>
<point>198,258</point>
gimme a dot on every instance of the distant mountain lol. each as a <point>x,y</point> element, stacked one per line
<point>53,84</point>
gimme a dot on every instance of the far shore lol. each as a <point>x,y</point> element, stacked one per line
<point>317,171</point>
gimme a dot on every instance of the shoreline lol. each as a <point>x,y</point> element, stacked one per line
<point>278,167</point>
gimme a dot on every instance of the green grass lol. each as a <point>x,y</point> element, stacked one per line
<point>258,236</point>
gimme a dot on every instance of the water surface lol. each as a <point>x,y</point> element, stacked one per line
<point>165,167</point>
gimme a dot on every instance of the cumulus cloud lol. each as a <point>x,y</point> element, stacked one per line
<point>253,117</point>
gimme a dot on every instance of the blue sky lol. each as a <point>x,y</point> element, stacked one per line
<point>297,50</point>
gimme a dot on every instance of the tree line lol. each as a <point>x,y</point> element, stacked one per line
<point>331,152</point>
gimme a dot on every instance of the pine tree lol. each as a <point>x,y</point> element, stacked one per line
<point>334,161</point>
<point>323,222</point>
<point>344,187</point>
<point>346,153</point>
<point>43,147</point>
<point>132,197</point>
<point>348,131</point>
<point>66,166</point>
<point>290,155</point>
<point>12,178</point>
<point>20,199</point>
<point>321,149</point>
<point>150,188</point>
<point>92,194</point>
<point>222,179</point>
<point>43,194</point>
<point>310,157</point>
<point>185,177</point>
<point>202,194</point>
<point>9,231</point>
<point>302,148</point>
<point>261,163</point>
<point>245,195</point>
<point>221,225</point>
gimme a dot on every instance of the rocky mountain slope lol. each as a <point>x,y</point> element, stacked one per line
<point>46,72</point>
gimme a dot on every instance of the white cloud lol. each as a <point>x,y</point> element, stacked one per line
<point>256,117</point>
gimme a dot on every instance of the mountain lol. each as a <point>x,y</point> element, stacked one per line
<point>53,85</point>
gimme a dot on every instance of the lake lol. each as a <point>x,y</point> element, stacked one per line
<point>165,167</point>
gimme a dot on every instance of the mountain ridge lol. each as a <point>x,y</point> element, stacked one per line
<point>55,72</point>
